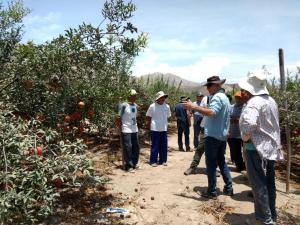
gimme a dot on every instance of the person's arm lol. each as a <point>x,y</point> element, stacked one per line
<point>189,117</point>
<point>148,122</point>
<point>118,120</point>
<point>203,110</point>
<point>148,117</point>
<point>248,122</point>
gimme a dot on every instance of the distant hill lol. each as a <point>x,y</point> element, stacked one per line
<point>186,85</point>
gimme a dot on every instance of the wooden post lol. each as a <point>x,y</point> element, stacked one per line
<point>287,129</point>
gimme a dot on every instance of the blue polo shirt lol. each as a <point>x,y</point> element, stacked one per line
<point>181,113</point>
<point>217,126</point>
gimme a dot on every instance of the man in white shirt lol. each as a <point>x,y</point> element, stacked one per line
<point>259,125</point>
<point>157,120</point>
<point>131,148</point>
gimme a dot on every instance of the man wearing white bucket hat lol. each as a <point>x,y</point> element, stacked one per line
<point>259,125</point>
<point>157,120</point>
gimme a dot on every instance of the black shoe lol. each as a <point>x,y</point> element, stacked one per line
<point>188,149</point>
<point>181,149</point>
<point>190,171</point>
<point>250,194</point>
<point>228,193</point>
<point>209,195</point>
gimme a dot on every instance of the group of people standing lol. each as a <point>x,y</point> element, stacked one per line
<point>252,122</point>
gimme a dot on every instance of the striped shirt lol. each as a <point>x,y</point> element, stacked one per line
<point>234,129</point>
<point>259,122</point>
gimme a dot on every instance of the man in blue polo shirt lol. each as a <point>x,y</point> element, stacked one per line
<point>216,131</point>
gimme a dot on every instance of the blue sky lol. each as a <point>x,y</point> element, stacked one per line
<point>190,38</point>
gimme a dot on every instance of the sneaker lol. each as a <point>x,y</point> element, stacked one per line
<point>209,195</point>
<point>164,164</point>
<point>130,170</point>
<point>228,193</point>
<point>189,171</point>
<point>136,167</point>
<point>153,164</point>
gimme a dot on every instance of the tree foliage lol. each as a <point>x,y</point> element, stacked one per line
<point>50,93</point>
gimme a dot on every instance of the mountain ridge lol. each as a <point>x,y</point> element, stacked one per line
<point>186,85</point>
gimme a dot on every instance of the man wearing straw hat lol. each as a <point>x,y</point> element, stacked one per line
<point>259,125</point>
<point>157,120</point>
<point>215,131</point>
<point>127,119</point>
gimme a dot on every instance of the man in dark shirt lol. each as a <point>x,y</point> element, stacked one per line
<point>183,124</point>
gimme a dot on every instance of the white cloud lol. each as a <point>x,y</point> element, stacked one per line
<point>42,28</point>
<point>197,71</point>
<point>196,65</point>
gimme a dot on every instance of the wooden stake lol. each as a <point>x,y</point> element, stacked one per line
<point>287,128</point>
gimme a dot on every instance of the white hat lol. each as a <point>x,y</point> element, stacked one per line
<point>255,83</point>
<point>159,95</point>
<point>132,92</point>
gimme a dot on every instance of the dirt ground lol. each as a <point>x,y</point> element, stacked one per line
<point>164,195</point>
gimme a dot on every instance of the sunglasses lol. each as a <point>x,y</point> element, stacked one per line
<point>209,85</point>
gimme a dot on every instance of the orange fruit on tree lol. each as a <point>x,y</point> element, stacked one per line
<point>75,116</point>
<point>67,119</point>
<point>90,113</point>
<point>39,151</point>
<point>81,104</point>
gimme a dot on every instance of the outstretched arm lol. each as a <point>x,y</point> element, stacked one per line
<point>203,110</point>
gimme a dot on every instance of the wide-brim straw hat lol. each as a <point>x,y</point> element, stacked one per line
<point>159,95</point>
<point>255,83</point>
<point>214,80</point>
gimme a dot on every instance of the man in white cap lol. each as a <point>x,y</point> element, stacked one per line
<point>157,120</point>
<point>259,125</point>
<point>127,119</point>
<point>215,130</point>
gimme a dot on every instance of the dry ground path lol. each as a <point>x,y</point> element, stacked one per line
<point>164,195</point>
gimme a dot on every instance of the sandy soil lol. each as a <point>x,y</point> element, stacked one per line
<point>164,195</point>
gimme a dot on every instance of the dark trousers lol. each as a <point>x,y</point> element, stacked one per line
<point>215,156</point>
<point>131,149</point>
<point>183,127</point>
<point>197,131</point>
<point>261,176</point>
<point>198,152</point>
<point>159,147</point>
<point>235,145</point>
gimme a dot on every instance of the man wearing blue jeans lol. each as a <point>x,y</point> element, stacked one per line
<point>183,124</point>
<point>216,131</point>
<point>259,125</point>
<point>127,120</point>
<point>157,121</point>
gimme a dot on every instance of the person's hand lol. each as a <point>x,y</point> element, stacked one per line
<point>147,125</point>
<point>234,120</point>
<point>187,104</point>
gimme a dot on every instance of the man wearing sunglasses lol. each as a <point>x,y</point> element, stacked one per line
<point>216,131</point>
